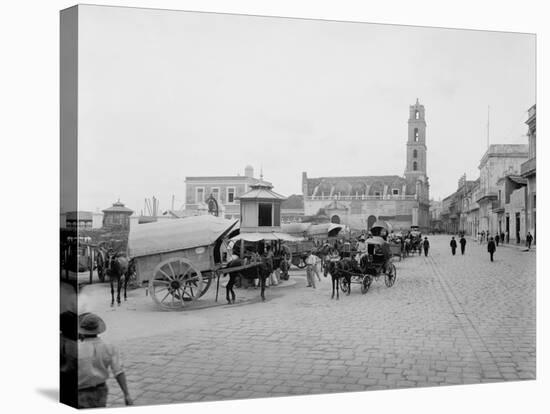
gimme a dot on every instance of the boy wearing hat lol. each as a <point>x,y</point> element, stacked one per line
<point>95,359</point>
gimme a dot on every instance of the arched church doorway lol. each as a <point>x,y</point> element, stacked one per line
<point>335,219</point>
<point>370,221</point>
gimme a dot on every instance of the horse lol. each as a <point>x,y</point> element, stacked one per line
<point>117,269</point>
<point>261,270</point>
<point>345,268</point>
<point>407,247</point>
<point>331,267</point>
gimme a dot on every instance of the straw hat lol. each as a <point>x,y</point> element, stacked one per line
<point>91,324</point>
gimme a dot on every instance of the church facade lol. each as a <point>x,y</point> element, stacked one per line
<point>358,202</point>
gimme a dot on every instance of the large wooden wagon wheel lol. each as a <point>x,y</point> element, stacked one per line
<point>174,282</point>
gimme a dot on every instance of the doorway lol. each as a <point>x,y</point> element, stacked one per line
<point>518,223</point>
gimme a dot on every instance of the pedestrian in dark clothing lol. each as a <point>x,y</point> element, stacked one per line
<point>426,246</point>
<point>491,248</point>
<point>497,239</point>
<point>502,237</point>
<point>453,245</point>
<point>529,239</point>
<point>462,242</point>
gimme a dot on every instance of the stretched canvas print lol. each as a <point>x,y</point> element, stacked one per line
<point>265,207</point>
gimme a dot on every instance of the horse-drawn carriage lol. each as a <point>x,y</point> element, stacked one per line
<point>368,267</point>
<point>364,263</point>
<point>416,240</point>
<point>311,237</point>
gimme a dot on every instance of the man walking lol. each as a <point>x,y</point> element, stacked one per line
<point>453,245</point>
<point>497,239</point>
<point>491,248</point>
<point>426,245</point>
<point>95,359</point>
<point>462,242</point>
<point>529,239</point>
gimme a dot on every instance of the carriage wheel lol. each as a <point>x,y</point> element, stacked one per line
<point>365,284</point>
<point>301,263</point>
<point>344,285</point>
<point>174,282</point>
<point>390,277</point>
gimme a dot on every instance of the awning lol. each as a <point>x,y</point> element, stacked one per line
<point>255,237</point>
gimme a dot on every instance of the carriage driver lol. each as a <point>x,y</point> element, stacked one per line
<point>361,248</point>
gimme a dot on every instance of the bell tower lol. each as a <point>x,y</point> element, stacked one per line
<point>416,143</point>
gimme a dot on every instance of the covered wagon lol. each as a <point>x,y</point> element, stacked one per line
<point>179,258</point>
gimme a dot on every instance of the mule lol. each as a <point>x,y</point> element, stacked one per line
<point>117,269</point>
<point>260,271</point>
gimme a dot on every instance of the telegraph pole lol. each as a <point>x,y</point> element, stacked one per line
<point>488,173</point>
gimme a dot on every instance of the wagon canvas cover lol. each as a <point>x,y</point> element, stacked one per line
<point>254,237</point>
<point>177,234</point>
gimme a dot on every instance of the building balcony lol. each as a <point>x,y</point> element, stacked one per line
<point>529,167</point>
<point>498,206</point>
<point>361,197</point>
<point>486,196</point>
<point>531,113</point>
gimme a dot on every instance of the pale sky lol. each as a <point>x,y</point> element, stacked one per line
<point>165,94</point>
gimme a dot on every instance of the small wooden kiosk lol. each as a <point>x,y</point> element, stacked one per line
<point>261,209</point>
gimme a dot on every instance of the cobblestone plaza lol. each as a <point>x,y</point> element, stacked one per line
<point>447,320</point>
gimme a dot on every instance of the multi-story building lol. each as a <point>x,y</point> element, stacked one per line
<point>510,207</point>
<point>498,161</point>
<point>471,209</point>
<point>225,189</point>
<point>529,172</point>
<point>359,201</point>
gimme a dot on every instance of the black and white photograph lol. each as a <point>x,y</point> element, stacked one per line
<point>298,188</point>
<point>259,206</point>
<point>271,207</point>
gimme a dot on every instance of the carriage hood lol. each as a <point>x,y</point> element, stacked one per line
<point>312,230</point>
<point>177,234</point>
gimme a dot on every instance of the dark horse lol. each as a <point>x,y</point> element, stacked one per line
<point>118,267</point>
<point>260,270</point>
<point>345,268</point>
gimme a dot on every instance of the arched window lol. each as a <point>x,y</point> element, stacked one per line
<point>415,154</point>
<point>416,135</point>
<point>415,166</point>
<point>416,114</point>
